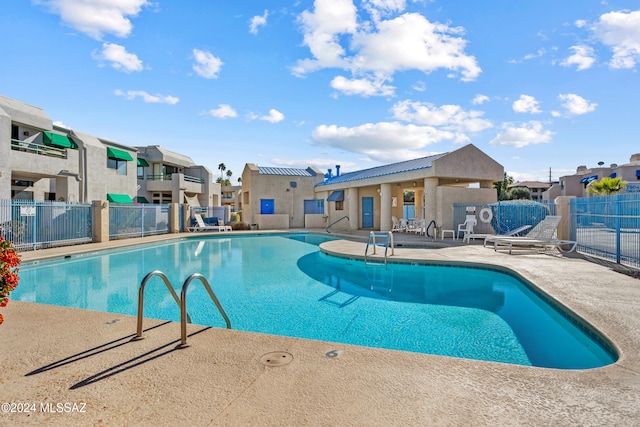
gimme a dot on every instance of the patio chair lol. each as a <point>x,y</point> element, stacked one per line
<point>396,224</point>
<point>201,226</point>
<point>467,227</point>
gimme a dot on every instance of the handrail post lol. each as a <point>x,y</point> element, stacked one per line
<point>143,284</point>
<point>183,307</point>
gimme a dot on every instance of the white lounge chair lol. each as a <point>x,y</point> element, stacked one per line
<point>201,226</point>
<point>542,235</point>
<point>489,237</point>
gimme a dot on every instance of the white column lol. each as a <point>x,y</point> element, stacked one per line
<point>385,207</point>
<point>430,201</point>
<point>353,207</point>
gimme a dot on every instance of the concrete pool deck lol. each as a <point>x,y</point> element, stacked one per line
<point>54,356</point>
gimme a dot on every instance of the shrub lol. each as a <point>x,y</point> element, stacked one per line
<point>9,262</point>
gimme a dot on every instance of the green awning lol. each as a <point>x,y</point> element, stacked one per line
<point>142,162</point>
<point>141,199</point>
<point>114,153</point>
<point>57,140</point>
<point>119,198</point>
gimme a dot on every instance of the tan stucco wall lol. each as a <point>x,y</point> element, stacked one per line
<point>315,220</point>
<point>272,222</point>
<point>468,163</point>
<point>448,196</point>
<point>288,200</point>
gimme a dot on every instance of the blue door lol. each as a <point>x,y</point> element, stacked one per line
<point>367,212</point>
<point>266,207</point>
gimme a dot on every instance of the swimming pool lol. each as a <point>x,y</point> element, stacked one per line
<point>283,284</point>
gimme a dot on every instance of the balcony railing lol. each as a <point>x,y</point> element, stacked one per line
<point>41,149</point>
<point>161,177</point>
<point>193,179</point>
<point>167,177</point>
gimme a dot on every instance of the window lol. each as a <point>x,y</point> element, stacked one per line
<point>119,165</point>
<point>340,205</point>
<point>15,132</point>
<point>161,198</point>
<point>315,206</point>
<point>140,172</point>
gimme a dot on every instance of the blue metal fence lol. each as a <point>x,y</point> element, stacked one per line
<point>31,225</point>
<point>608,227</point>
<point>137,220</point>
<point>502,217</point>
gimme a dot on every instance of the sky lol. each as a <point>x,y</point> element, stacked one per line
<point>540,86</point>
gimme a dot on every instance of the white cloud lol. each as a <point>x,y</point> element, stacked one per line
<point>376,50</point>
<point>580,23</point>
<point>257,22</point>
<point>447,117</point>
<point>576,105</point>
<point>362,87</point>
<point>146,97</point>
<point>526,104</point>
<point>583,57</point>
<point>379,8</point>
<point>97,17</point>
<point>420,86</point>
<point>119,58</point>
<point>274,116</point>
<point>411,42</point>
<point>207,65</point>
<point>522,135</point>
<point>621,32</point>
<point>223,111</point>
<point>383,141</point>
<point>480,99</point>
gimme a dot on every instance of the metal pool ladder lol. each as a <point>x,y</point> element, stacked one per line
<point>181,301</point>
<point>388,242</point>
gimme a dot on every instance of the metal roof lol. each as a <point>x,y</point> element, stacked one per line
<point>394,168</point>
<point>283,171</point>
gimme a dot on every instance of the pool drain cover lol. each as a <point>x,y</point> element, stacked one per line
<point>276,358</point>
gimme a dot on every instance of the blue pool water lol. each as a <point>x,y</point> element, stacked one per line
<point>283,284</point>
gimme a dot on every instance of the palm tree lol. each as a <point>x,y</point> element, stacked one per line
<point>239,179</point>
<point>606,186</point>
<point>222,167</point>
<point>229,173</point>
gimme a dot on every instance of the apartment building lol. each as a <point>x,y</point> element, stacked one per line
<point>43,161</point>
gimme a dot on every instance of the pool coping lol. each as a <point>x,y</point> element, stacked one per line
<point>59,348</point>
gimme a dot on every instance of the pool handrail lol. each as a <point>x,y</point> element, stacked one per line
<point>183,307</point>
<point>335,222</point>
<point>143,284</point>
<point>372,241</point>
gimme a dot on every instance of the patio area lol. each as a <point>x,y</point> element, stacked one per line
<point>55,356</point>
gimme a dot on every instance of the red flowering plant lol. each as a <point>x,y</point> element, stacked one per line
<point>9,262</point>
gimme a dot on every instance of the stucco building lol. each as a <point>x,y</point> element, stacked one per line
<point>168,177</point>
<point>292,198</point>
<point>280,198</point>
<point>43,161</point>
<point>578,183</point>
